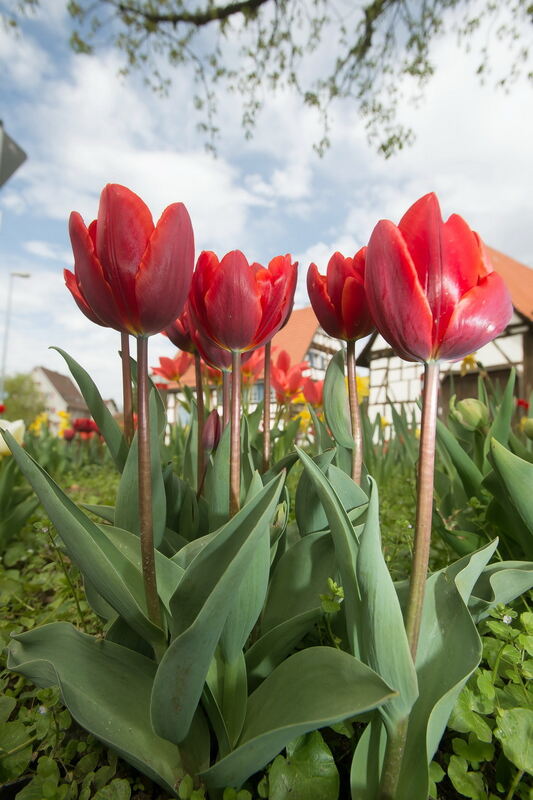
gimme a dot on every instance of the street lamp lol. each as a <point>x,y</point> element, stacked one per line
<point>6,329</point>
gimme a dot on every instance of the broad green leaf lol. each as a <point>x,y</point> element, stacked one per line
<point>229,688</point>
<point>107,425</point>
<point>216,485</point>
<point>106,513</point>
<point>501,425</point>
<point>467,782</point>
<point>383,639</point>
<point>515,732</point>
<point>200,608</point>
<point>112,575</point>
<point>316,687</point>
<point>469,474</point>
<point>106,689</point>
<point>346,547</point>
<point>365,773</point>
<point>159,407</point>
<point>322,439</point>
<point>308,771</point>
<point>127,501</point>
<point>310,514</point>
<point>501,582</point>
<point>516,477</point>
<point>336,402</point>
<point>404,435</point>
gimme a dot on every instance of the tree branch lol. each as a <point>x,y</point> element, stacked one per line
<point>197,18</point>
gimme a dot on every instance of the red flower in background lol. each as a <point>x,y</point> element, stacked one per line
<point>313,392</point>
<point>430,286</point>
<point>85,425</point>
<point>2,408</point>
<point>521,403</point>
<point>252,367</point>
<point>128,274</point>
<point>239,306</point>
<point>68,434</point>
<point>173,369</point>
<point>287,380</point>
<point>339,298</point>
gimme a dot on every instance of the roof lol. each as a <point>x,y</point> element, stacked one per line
<point>519,281</point>
<point>65,387</point>
<point>295,338</point>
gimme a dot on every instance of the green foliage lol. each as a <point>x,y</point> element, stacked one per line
<point>23,400</point>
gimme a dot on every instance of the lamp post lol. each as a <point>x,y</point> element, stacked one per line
<point>6,328</point>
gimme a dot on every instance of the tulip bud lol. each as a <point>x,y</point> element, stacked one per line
<point>16,429</point>
<point>527,427</point>
<point>212,431</point>
<point>472,414</point>
<point>68,434</point>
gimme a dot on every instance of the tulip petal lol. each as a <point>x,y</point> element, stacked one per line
<point>276,287</point>
<point>123,229</point>
<point>338,271</point>
<point>233,304</point>
<point>206,268</point>
<point>165,272</point>
<point>397,303</point>
<point>321,302</point>
<point>90,277</point>
<point>72,285</point>
<point>481,314</point>
<point>356,316</point>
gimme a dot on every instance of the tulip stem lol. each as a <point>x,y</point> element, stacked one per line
<point>355,414</point>
<point>199,418</point>
<point>235,449</point>
<point>145,484</point>
<point>226,398</point>
<point>127,393</point>
<point>266,408</point>
<point>424,507</point>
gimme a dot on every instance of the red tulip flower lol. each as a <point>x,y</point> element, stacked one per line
<point>130,275</point>
<point>173,369</point>
<point>85,425</point>
<point>313,392</point>
<point>252,367</point>
<point>287,380</point>
<point>2,408</point>
<point>339,298</point>
<point>430,286</point>
<point>239,306</point>
<point>68,434</point>
<point>179,332</point>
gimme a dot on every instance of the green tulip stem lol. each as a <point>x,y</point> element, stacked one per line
<point>392,762</point>
<point>127,393</point>
<point>266,409</point>
<point>424,507</point>
<point>355,414</point>
<point>226,398</point>
<point>145,484</point>
<point>199,417</point>
<point>235,447</point>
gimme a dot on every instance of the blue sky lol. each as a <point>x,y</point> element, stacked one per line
<point>83,127</point>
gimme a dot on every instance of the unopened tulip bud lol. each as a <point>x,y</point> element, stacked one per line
<point>212,432</point>
<point>472,414</point>
<point>527,427</point>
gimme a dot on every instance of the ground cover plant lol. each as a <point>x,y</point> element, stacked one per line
<point>237,619</point>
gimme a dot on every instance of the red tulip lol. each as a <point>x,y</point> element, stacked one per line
<point>313,391</point>
<point>130,275</point>
<point>287,380</point>
<point>238,306</point>
<point>173,369</point>
<point>252,367</point>
<point>179,332</point>
<point>68,434</point>
<point>212,432</point>
<point>85,425</point>
<point>2,408</point>
<point>430,286</point>
<point>339,298</point>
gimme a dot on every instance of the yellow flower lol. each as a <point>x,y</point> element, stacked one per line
<point>16,429</point>
<point>305,419</point>
<point>384,422</point>
<point>468,364</point>
<point>363,386</point>
<point>40,421</point>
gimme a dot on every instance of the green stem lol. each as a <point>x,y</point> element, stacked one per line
<point>393,761</point>
<point>235,448</point>
<point>355,414</point>
<point>200,418</point>
<point>145,484</point>
<point>424,509</point>
<point>512,788</point>
<point>67,577</point>
<point>127,393</point>
<point>266,409</point>
<point>17,749</point>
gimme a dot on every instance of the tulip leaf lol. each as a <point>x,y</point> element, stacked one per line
<point>315,687</point>
<point>106,513</point>
<point>336,402</point>
<point>200,607</point>
<point>107,690</point>
<point>228,685</point>
<point>501,425</point>
<point>107,425</point>
<point>310,514</point>
<point>159,409</point>
<point>216,486</point>
<point>127,500</point>
<point>322,439</point>
<point>365,773</point>
<point>500,582</point>
<point>516,478</point>
<point>113,576</point>
<point>346,546</point>
<point>469,474</point>
<point>384,645</point>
